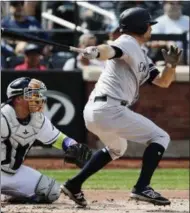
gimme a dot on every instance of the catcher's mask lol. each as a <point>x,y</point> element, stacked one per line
<point>35,94</point>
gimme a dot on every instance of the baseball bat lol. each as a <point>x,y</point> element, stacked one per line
<point>15,35</point>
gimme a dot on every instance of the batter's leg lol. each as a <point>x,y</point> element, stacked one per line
<point>138,128</point>
<point>72,187</point>
<point>134,127</point>
<point>142,191</point>
<point>116,148</point>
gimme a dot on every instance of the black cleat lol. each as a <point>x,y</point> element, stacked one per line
<point>76,195</point>
<point>149,195</point>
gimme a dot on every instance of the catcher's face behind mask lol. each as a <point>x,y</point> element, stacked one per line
<point>34,94</point>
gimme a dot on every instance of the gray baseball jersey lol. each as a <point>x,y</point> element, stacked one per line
<point>122,77</point>
<point>112,122</point>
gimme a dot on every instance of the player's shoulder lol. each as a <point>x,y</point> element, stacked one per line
<point>127,44</point>
<point>124,37</point>
<point>5,129</point>
<point>7,115</point>
<point>125,40</point>
<point>7,110</point>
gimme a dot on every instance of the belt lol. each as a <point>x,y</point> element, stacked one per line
<point>105,98</point>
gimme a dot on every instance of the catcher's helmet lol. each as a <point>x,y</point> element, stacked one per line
<point>27,87</point>
<point>135,20</point>
<point>16,87</point>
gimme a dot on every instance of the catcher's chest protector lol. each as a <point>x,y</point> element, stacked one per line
<point>21,137</point>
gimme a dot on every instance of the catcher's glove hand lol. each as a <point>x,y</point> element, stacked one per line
<point>173,55</point>
<point>78,154</point>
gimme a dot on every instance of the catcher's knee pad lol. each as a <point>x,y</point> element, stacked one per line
<point>163,139</point>
<point>47,190</point>
<point>119,151</point>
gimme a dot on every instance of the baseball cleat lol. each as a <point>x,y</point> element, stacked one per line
<point>76,195</point>
<point>149,195</point>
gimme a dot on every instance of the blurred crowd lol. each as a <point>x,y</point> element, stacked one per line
<point>26,16</point>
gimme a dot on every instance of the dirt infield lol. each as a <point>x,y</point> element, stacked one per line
<point>55,163</point>
<point>110,201</point>
<point>106,201</point>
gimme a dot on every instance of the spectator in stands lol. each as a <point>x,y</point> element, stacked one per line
<point>33,8</point>
<point>20,48</point>
<point>92,20</point>
<point>154,7</point>
<point>3,9</point>
<point>85,40</point>
<point>6,51</point>
<point>32,59</point>
<point>172,22</point>
<point>18,19</point>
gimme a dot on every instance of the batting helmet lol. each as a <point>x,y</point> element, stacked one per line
<point>135,20</point>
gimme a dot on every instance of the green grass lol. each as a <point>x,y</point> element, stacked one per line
<point>126,178</point>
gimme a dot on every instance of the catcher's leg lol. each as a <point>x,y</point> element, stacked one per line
<point>29,185</point>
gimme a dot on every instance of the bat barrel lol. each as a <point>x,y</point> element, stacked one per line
<point>33,39</point>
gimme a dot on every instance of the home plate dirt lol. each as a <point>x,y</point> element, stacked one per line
<point>106,201</point>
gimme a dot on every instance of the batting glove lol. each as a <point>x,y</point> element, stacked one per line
<point>91,52</point>
<point>172,56</point>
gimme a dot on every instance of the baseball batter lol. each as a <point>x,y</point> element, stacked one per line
<point>23,123</point>
<point>107,112</point>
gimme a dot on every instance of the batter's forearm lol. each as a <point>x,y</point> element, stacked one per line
<point>168,75</point>
<point>166,78</point>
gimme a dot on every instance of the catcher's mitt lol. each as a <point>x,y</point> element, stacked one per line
<point>78,154</point>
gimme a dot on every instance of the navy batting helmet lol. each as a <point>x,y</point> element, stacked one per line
<point>135,20</point>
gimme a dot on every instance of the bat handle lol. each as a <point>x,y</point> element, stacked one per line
<point>75,49</point>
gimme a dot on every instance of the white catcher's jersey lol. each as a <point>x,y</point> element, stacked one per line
<point>122,77</point>
<point>17,139</point>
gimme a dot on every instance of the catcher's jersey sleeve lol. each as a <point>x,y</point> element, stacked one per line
<point>48,133</point>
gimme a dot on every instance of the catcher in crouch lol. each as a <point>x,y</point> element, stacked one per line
<point>22,123</point>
